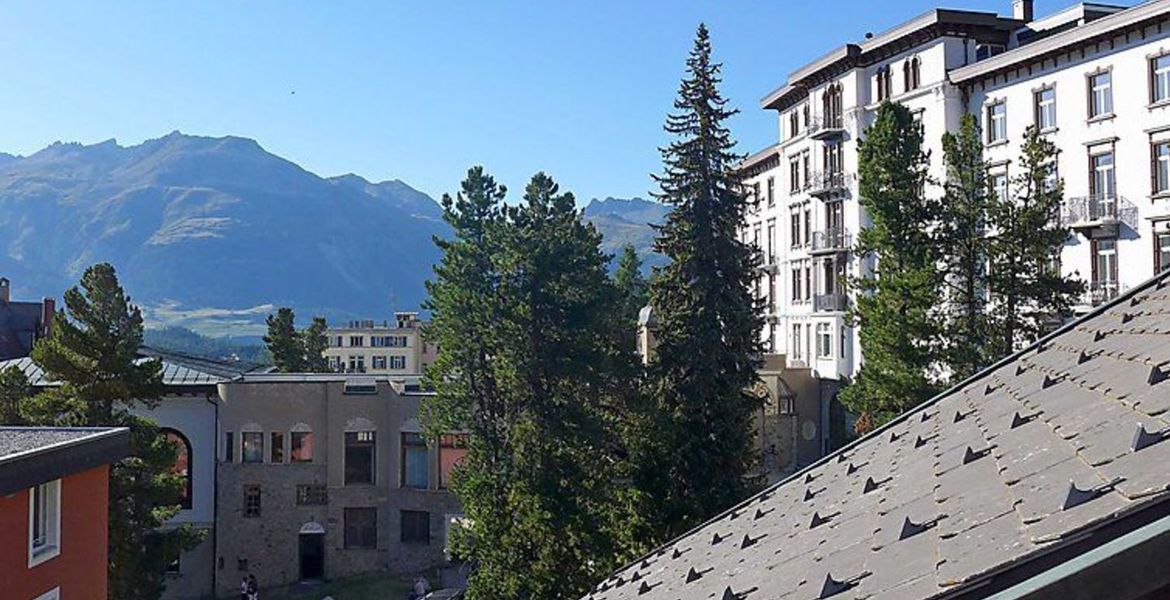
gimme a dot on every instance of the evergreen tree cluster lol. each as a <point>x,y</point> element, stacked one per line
<point>296,351</point>
<point>950,284</point>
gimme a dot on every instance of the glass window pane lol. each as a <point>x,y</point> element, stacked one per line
<point>302,446</point>
<point>253,446</point>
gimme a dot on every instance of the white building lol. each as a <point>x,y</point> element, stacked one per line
<point>380,348</point>
<point>1094,77</point>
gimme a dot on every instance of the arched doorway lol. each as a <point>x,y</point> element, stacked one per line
<point>311,551</point>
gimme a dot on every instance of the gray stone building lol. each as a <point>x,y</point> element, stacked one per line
<point>328,475</point>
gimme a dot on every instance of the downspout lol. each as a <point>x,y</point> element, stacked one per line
<point>215,499</point>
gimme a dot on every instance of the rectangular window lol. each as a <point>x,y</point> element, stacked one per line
<point>807,226</point>
<point>361,527</point>
<point>1100,94</point>
<point>312,495</point>
<point>842,340</point>
<point>357,341</point>
<point>1160,78</point>
<point>44,522</point>
<point>452,449</point>
<point>797,345</point>
<point>359,457</point>
<point>415,471</point>
<point>301,443</point>
<point>997,122</point>
<point>251,501</point>
<point>771,255</point>
<point>771,192</point>
<point>1046,109</point>
<point>999,186</point>
<point>357,363</point>
<point>253,446</point>
<point>824,341</point>
<point>1103,185</point>
<point>277,447</point>
<point>795,226</point>
<point>794,176</point>
<point>397,363</point>
<point>378,362</point>
<point>1161,172</point>
<point>1104,284</point>
<point>1161,252</point>
<point>416,527</point>
<point>229,447</point>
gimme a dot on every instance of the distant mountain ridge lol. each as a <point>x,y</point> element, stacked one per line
<point>213,233</point>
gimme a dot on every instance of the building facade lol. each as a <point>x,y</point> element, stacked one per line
<point>54,510</point>
<point>380,349</point>
<point>323,476</point>
<point>22,323</point>
<point>1059,72</point>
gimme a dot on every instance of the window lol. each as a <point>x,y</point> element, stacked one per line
<point>357,341</point>
<point>999,186</point>
<point>416,527</point>
<point>796,284</point>
<point>277,447</point>
<point>378,362</point>
<point>1103,186</point>
<point>253,446</point>
<point>182,466</point>
<point>771,192</point>
<point>771,255</point>
<point>44,522</point>
<point>985,51</point>
<point>755,195</point>
<point>1161,167</point>
<point>229,447</point>
<point>794,123</point>
<point>1100,95</point>
<point>794,175</point>
<point>1160,78</point>
<point>415,471</point>
<point>832,106</point>
<point>397,362</point>
<point>312,495</point>
<point>359,457</point>
<point>1046,109</point>
<point>452,449</point>
<point>301,446</point>
<point>361,527</point>
<point>251,501</point>
<point>795,226</point>
<point>1104,285</point>
<point>807,225</point>
<point>842,339</point>
<point>797,346</point>
<point>997,122</point>
<point>357,363</point>
<point>884,82</point>
<point>824,341</point>
<point>1161,251</point>
<point>806,168</point>
<point>910,74</point>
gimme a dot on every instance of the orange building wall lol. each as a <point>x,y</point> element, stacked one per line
<point>80,568</point>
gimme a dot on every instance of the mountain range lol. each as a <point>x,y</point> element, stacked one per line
<point>214,233</point>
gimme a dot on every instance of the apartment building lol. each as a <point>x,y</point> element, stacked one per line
<point>1060,72</point>
<point>328,475</point>
<point>380,348</point>
<point>54,510</point>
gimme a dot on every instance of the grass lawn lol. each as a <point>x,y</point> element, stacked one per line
<point>374,586</point>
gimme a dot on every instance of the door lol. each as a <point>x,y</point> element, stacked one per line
<point>312,553</point>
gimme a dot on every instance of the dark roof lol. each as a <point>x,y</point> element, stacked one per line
<point>178,369</point>
<point>1012,468</point>
<point>19,324</point>
<point>34,455</point>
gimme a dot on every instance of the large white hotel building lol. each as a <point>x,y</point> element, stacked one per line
<point>1094,78</point>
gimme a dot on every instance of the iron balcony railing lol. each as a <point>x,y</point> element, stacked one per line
<point>826,125</point>
<point>833,239</point>
<point>827,182</point>
<point>1098,209</point>
<point>830,302</point>
<point>1100,292</point>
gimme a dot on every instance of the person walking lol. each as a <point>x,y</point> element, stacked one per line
<point>253,588</point>
<point>244,589</point>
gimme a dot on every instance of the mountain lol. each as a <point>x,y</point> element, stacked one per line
<point>628,221</point>
<point>213,233</point>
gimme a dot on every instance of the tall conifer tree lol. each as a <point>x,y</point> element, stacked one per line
<point>694,454</point>
<point>898,292</point>
<point>286,347</point>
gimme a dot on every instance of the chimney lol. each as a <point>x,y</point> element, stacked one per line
<point>1023,10</point>
<point>4,288</point>
<point>48,309</point>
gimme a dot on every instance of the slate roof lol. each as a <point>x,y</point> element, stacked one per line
<point>178,369</point>
<point>1018,462</point>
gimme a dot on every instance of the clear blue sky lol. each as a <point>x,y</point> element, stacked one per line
<point>416,90</point>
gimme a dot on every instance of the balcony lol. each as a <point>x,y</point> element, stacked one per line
<point>831,241</point>
<point>830,302</point>
<point>827,183</point>
<point>1098,215</point>
<point>1100,292</point>
<point>823,127</point>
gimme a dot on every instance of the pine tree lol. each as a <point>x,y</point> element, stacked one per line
<point>313,346</point>
<point>631,285</point>
<point>964,246</point>
<point>93,353</point>
<point>1029,294</point>
<point>285,345</point>
<point>14,390</point>
<point>897,294</point>
<point>693,451</point>
<point>523,298</point>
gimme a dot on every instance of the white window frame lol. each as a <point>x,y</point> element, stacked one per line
<point>397,363</point>
<point>1046,109</point>
<point>1160,75</point>
<point>51,547</point>
<point>1103,92</point>
<point>378,362</point>
<point>1161,167</point>
<point>997,122</point>
<point>824,337</point>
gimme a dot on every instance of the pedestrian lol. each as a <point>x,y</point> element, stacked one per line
<point>253,588</point>
<point>421,587</point>
<point>244,589</point>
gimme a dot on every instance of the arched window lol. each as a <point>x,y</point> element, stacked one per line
<point>182,466</point>
<point>832,106</point>
<point>884,83</point>
<point>910,74</point>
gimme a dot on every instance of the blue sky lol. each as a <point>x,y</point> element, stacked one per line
<point>413,90</point>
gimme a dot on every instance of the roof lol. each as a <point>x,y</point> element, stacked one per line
<point>34,455</point>
<point>758,157</point>
<point>1053,449</point>
<point>1062,42</point>
<point>178,369</point>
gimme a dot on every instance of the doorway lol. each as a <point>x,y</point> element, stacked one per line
<point>311,548</point>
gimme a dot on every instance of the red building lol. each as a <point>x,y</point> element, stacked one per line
<point>54,510</point>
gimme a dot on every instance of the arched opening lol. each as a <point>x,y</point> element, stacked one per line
<point>311,551</point>
<point>182,466</point>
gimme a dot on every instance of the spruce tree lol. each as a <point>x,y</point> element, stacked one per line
<point>693,452</point>
<point>285,345</point>
<point>631,285</point>
<point>313,346</point>
<point>14,390</point>
<point>1030,296</point>
<point>93,352</point>
<point>523,313</point>
<point>964,246</point>
<point>898,292</point>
